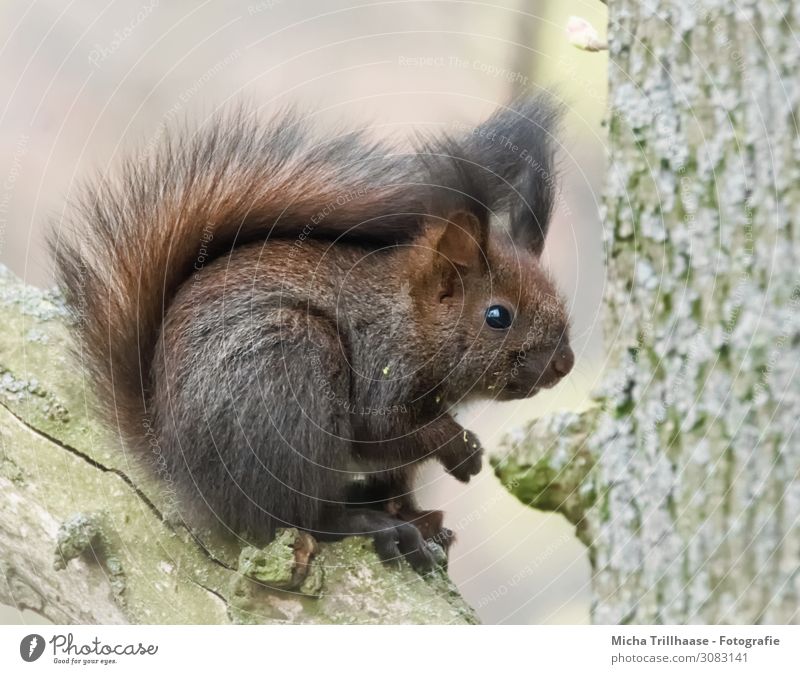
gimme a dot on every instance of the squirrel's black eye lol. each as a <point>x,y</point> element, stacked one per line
<point>498,317</point>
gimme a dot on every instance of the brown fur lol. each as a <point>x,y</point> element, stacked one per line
<point>282,310</point>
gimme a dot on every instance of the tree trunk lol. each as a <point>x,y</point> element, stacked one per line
<point>684,480</point>
<point>84,539</point>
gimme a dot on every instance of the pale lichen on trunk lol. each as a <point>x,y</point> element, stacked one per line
<point>685,479</point>
<point>84,537</point>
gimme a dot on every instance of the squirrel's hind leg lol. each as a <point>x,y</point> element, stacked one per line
<point>392,492</point>
<point>254,430</point>
<point>394,538</point>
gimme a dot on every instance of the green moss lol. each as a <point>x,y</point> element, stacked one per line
<point>11,470</point>
<point>83,533</point>
<point>315,580</point>
<point>75,536</point>
<point>272,565</point>
<point>375,587</point>
<point>540,485</point>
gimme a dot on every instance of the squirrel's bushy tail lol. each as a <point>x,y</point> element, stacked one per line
<point>138,234</point>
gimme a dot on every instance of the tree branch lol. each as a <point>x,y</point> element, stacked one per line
<point>547,464</point>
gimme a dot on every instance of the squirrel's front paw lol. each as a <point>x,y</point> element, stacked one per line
<point>465,456</point>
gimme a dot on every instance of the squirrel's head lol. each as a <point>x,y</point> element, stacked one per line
<point>500,323</point>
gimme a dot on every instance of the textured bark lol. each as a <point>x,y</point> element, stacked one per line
<point>84,537</point>
<point>684,480</point>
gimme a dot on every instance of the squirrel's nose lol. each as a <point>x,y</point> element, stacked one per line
<point>562,361</point>
<point>543,369</point>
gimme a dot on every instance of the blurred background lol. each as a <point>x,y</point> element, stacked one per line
<point>85,84</point>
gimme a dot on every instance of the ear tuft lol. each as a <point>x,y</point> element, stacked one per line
<point>523,182</point>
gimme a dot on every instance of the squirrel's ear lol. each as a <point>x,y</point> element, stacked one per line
<point>461,240</point>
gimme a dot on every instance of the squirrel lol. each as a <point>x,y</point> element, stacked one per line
<point>290,317</point>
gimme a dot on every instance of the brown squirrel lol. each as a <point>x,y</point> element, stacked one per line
<point>290,318</point>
